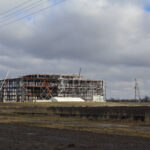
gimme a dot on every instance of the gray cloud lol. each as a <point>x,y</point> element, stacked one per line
<point>108,39</point>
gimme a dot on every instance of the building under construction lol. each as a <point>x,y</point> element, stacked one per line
<point>46,86</point>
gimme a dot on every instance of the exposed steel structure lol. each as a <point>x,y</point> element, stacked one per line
<point>44,86</point>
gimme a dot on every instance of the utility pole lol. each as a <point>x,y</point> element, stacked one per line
<point>135,87</point>
<point>104,89</point>
<point>80,80</point>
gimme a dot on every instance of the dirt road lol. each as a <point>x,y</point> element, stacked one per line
<point>22,137</point>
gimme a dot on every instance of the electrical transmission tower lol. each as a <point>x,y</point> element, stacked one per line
<point>137,91</point>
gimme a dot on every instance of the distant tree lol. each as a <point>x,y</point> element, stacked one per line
<point>146,99</point>
<point>111,100</point>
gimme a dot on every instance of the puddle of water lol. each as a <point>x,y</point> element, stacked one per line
<point>82,124</point>
<point>30,133</point>
<point>93,125</point>
<point>146,128</point>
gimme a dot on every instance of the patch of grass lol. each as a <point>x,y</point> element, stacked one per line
<point>73,124</point>
<point>73,104</point>
<point>36,114</point>
<point>114,131</point>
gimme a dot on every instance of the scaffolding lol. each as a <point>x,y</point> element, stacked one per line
<point>45,86</point>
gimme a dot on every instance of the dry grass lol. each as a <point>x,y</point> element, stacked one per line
<point>74,104</point>
<point>48,121</point>
<point>75,124</point>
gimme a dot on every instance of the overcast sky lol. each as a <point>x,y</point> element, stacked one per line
<point>108,39</point>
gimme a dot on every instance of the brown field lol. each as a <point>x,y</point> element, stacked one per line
<point>50,126</point>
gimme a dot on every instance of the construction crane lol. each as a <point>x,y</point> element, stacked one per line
<point>2,84</point>
<point>4,81</point>
<point>80,72</point>
<point>137,91</point>
<point>47,87</point>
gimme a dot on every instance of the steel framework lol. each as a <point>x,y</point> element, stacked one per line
<point>44,86</point>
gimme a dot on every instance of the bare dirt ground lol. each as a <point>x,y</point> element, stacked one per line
<point>29,126</point>
<point>23,137</point>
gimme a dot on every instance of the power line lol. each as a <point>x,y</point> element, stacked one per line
<point>10,12</point>
<point>18,13</point>
<point>32,14</point>
<point>27,8</point>
<point>6,12</point>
